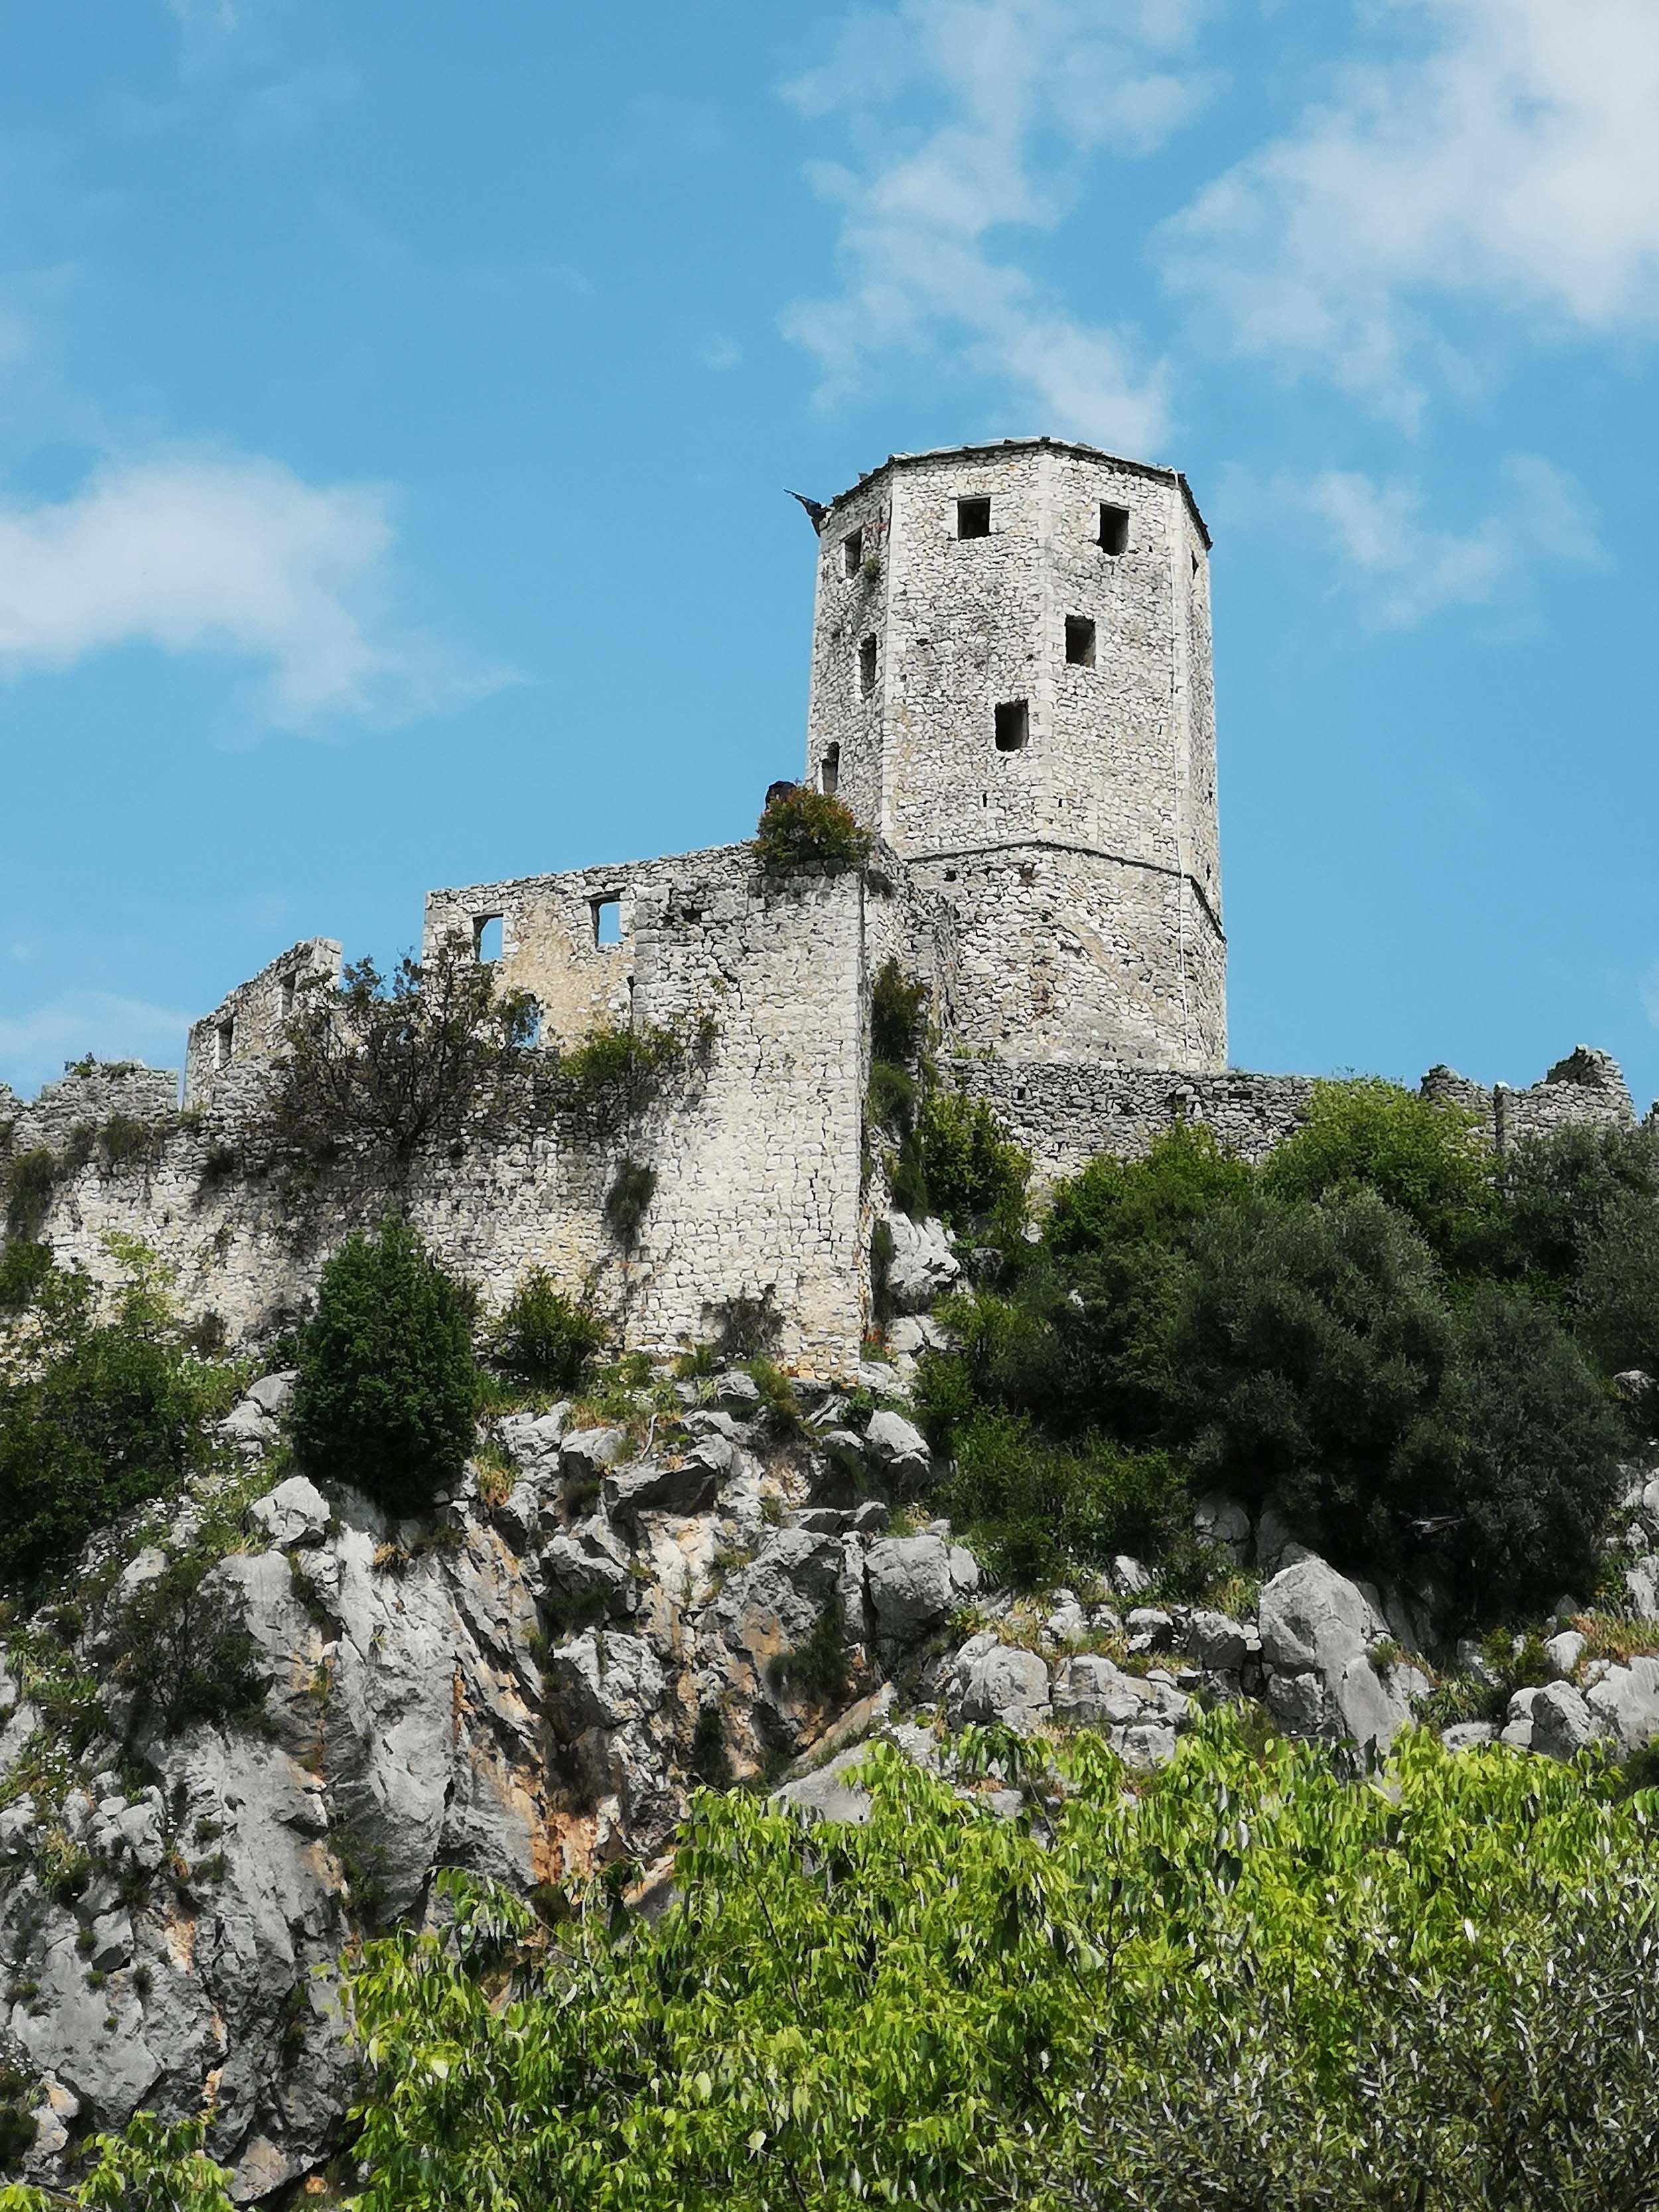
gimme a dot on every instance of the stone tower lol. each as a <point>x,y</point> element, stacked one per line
<point>1011,685</point>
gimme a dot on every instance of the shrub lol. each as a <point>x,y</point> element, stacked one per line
<point>24,1269</point>
<point>615,1073</point>
<point>896,1006</point>
<point>629,1198</point>
<point>179,1646</point>
<point>890,1102</point>
<point>1426,1156</point>
<point>1039,1512</point>
<point>122,1141</point>
<point>543,1338</point>
<point>1564,1194</point>
<point>974,1172</point>
<point>1160,1199</point>
<point>31,1179</point>
<point>802,828</point>
<point>387,1391</point>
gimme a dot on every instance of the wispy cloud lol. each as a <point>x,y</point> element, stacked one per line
<point>1405,569</point>
<point>1503,154</point>
<point>34,1046</point>
<point>225,554</point>
<point>204,25</point>
<point>1021,94</point>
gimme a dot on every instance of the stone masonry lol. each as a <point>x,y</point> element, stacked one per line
<point>1012,689</point>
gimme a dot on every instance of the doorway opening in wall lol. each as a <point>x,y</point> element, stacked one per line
<point>224,1043</point>
<point>487,939</point>
<point>1113,528</point>
<point>1079,641</point>
<point>972,518</point>
<point>607,922</point>
<point>829,771</point>
<point>1013,725</point>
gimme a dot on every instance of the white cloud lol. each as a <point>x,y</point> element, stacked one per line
<point>225,553</point>
<point>1407,569</point>
<point>1021,92</point>
<point>1504,154</point>
<point>34,1046</point>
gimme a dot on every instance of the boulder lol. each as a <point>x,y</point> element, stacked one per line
<point>647,1488</point>
<point>897,1447</point>
<point>1468,1736</point>
<point>1316,1630</point>
<point>531,1441</point>
<point>1219,1645</point>
<point>1223,1521</point>
<point>825,1795</point>
<point>1562,1651</point>
<point>1090,1692</point>
<point>294,1513</point>
<point>1624,1704</point>
<point>1276,1545</point>
<point>909,1582</point>
<point>998,1683</point>
<point>585,1454</point>
<point>1562,1723</point>
<point>1642,1586</point>
<point>921,1267</point>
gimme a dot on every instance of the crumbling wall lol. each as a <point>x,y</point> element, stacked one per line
<point>245,1030</point>
<point>87,1097</point>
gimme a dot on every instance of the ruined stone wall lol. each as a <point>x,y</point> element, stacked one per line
<point>89,1095</point>
<point>245,1030</point>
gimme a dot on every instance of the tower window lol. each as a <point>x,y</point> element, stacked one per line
<point>1013,725</point>
<point>1079,641</point>
<point>224,1043</point>
<point>1194,557</point>
<point>286,1001</point>
<point>851,553</point>
<point>486,938</point>
<point>972,518</point>
<point>829,771</point>
<point>607,922</point>
<point>1113,528</point>
<point>866,667</point>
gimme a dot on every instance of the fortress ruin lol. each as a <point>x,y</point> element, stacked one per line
<point>1012,689</point>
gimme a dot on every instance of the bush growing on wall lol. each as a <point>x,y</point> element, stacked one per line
<point>974,1172</point>
<point>543,1337</point>
<point>802,828</point>
<point>387,1392</point>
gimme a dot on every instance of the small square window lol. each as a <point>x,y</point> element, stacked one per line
<point>851,553</point>
<point>972,518</point>
<point>1079,641</point>
<point>607,922</point>
<point>1013,725</point>
<point>486,938</point>
<point>866,667</point>
<point>1113,529</point>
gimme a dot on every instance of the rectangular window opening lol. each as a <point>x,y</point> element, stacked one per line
<point>1079,641</point>
<point>852,554</point>
<point>607,922</point>
<point>224,1043</point>
<point>1194,563</point>
<point>866,667</point>
<point>1113,528</point>
<point>829,771</point>
<point>972,518</point>
<point>1013,725</point>
<point>288,988</point>
<point>486,938</point>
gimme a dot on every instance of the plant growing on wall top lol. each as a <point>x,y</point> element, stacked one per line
<point>383,1066</point>
<point>804,829</point>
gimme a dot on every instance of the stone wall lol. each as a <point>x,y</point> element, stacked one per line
<point>245,1030</point>
<point>88,1095</point>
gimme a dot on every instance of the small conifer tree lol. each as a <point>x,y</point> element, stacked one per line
<point>388,1391</point>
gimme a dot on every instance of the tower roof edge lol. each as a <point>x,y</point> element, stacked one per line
<point>1004,445</point>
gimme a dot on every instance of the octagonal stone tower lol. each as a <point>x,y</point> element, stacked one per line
<point>1012,686</point>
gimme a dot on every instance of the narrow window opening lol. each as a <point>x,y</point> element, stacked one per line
<point>829,771</point>
<point>224,1043</point>
<point>972,518</point>
<point>1194,557</point>
<point>532,1032</point>
<point>866,667</point>
<point>1079,641</point>
<point>487,939</point>
<point>1113,528</point>
<point>287,998</point>
<point>1013,725</point>
<point>607,922</point>
<point>852,554</point>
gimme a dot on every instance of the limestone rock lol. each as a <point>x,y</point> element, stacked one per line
<point>922,1266</point>
<point>1624,1704</point>
<point>531,1441</point>
<point>1564,1651</point>
<point>1562,1723</point>
<point>585,1454</point>
<point>1222,1521</point>
<point>1468,1736</point>
<point>294,1513</point>
<point>897,1447</point>
<point>909,1582</point>
<point>1218,1645</point>
<point>1316,1632</point>
<point>998,1683</point>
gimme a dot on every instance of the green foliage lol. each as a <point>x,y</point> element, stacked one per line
<point>179,1646</point>
<point>30,1182</point>
<point>898,1006</point>
<point>615,1073</point>
<point>124,1141</point>
<point>629,1198</point>
<point>1251,1984</point>
<point>1039,1513</point>
<point>817,1668</point>
<point>382,1067</point>
<point>1425,1158</point>
<point>543,1338</point>
<point>101,1415</point>
<point>802,828</point>
<point>1183,1178</point>
<point>24,1269</point>
<point>890,1102</point>
<point>387,1392</point>
<point>976,1175</point>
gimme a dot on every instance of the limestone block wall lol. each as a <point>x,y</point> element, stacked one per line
<point>245,1029</point>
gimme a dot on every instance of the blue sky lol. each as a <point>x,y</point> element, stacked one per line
<point>397,401</point>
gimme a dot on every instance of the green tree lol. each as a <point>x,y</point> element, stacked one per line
<point>974,1173</point>
<point>543,1338</point>
<point>1427,1157</point>
<point>387,1394</point>
<point>801,827</point>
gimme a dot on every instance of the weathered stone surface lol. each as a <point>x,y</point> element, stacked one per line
<point>1564,1651</point>
<point>294,1513</point>
<point>922,1267</point>
<point>585,1454</point>
<point>994,1682</point>
<point>531,1441</point>
<point>910,1583</point>
<point>1218,1645</point>
<point>1468,1736</point>
<point>687,1487</point>
<point>1562,1723</point>
<point>1317,1629</point>
<point>897,1446</point>
<point>1222,1521</point>
<point>1624,1704</point>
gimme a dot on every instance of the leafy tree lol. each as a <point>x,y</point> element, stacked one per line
<point>801,827</point>
<point>974,1170</point>
<point>152,2167</point>
<point>1040,1512</point>
<point>179,1646</point>
<point>897,1005</point>
<point>388,1394</point>
<point>1426,1156</point>
<point>1183,1178</point>
<point>545,1338</point>
<point>383,1066</point>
